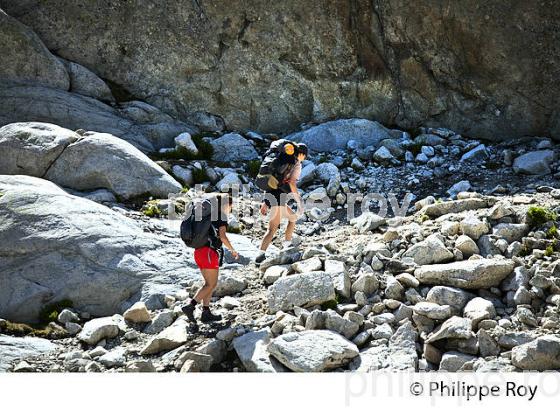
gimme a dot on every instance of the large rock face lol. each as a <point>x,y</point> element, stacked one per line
<point>104,161</point>
<point>475,67</point>
<point>25,58</point>
<point>31,148</point>
<point>57,246</point>
<point>79,162</point>
<point>37,86</point>
<point>23,103</point>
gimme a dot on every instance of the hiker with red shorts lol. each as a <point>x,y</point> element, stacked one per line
<point>206,233</point>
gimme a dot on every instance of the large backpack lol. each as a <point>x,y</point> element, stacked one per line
<point>276,165</point>
<point>197,228</point>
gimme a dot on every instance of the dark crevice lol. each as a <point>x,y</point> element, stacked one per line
<point>389,58</point>
<point>120,93</point>
<point>202,14</point>
<point>244,27</point>
<point>222,47</point>
<point>252,114</point>
<point>369,57</point>
<point>57,157</point>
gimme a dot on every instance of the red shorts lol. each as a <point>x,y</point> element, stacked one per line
<point>206,258</point>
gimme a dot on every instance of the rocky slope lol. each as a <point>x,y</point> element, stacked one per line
<point>484,69</point>
<point>421,250</point>
<point>461,278</point>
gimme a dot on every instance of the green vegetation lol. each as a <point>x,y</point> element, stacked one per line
<point>525,251</point>
<point>20,329</point>
<point>200,175</point>
<point>253,168</point>
<point>205,151</point>
<point>493,165</point>
<point>415,148</point>
<point>151,209</point>
<point>185,189</point>
<point>178,153</point>
<point>549,250</point>
<point>331,304</point>
<point>50,312</point>
<point>538,215</point>
<point>234,229</point>
<point>552,232</point>
<point>424,218</point>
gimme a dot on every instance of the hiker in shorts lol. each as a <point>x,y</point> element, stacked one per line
<point>277,201</point>
<point>209,259</point>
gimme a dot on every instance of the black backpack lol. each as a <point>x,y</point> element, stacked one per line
<point>275,166</point>
<point>197,228</point>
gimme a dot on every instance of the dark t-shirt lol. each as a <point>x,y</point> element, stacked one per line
<point>215,241</point>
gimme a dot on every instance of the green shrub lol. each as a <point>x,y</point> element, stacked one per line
<point>331,304</point>
<point>552,232</point>
<point>549,250</point>
<point>151,210</point>
<point>205,149</point>
<point>253,168</point>
<point>493,165</point>
<point>525,251</point>
<point>185,189</point>
<point>178,153</point>
<point>233,229</point>
<point>415,148</point>
<point>50,312</point>
<point>200,175</point>
<point>538,215</point>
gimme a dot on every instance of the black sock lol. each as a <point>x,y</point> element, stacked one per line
<point>206,308</point>
<point>193,302</point>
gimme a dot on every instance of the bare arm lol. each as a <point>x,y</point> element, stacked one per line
<point>226,242</point>
<point>294,190</point>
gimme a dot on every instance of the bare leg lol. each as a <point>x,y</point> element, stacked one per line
<point>273,224</point>
<point>292,218</point>
<point>204,294</point>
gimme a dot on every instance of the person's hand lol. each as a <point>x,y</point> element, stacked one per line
<point>300,209</point>
<point>234,254</point>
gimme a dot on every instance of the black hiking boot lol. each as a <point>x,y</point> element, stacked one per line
<point>260,258</point>
<point>208,316</point>
<point>188,310</point>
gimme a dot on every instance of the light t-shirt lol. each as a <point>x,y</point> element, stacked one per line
<point>295,174</point>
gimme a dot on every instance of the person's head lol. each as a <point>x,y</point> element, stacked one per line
<point>225,202</point>
<point>301,152</point>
